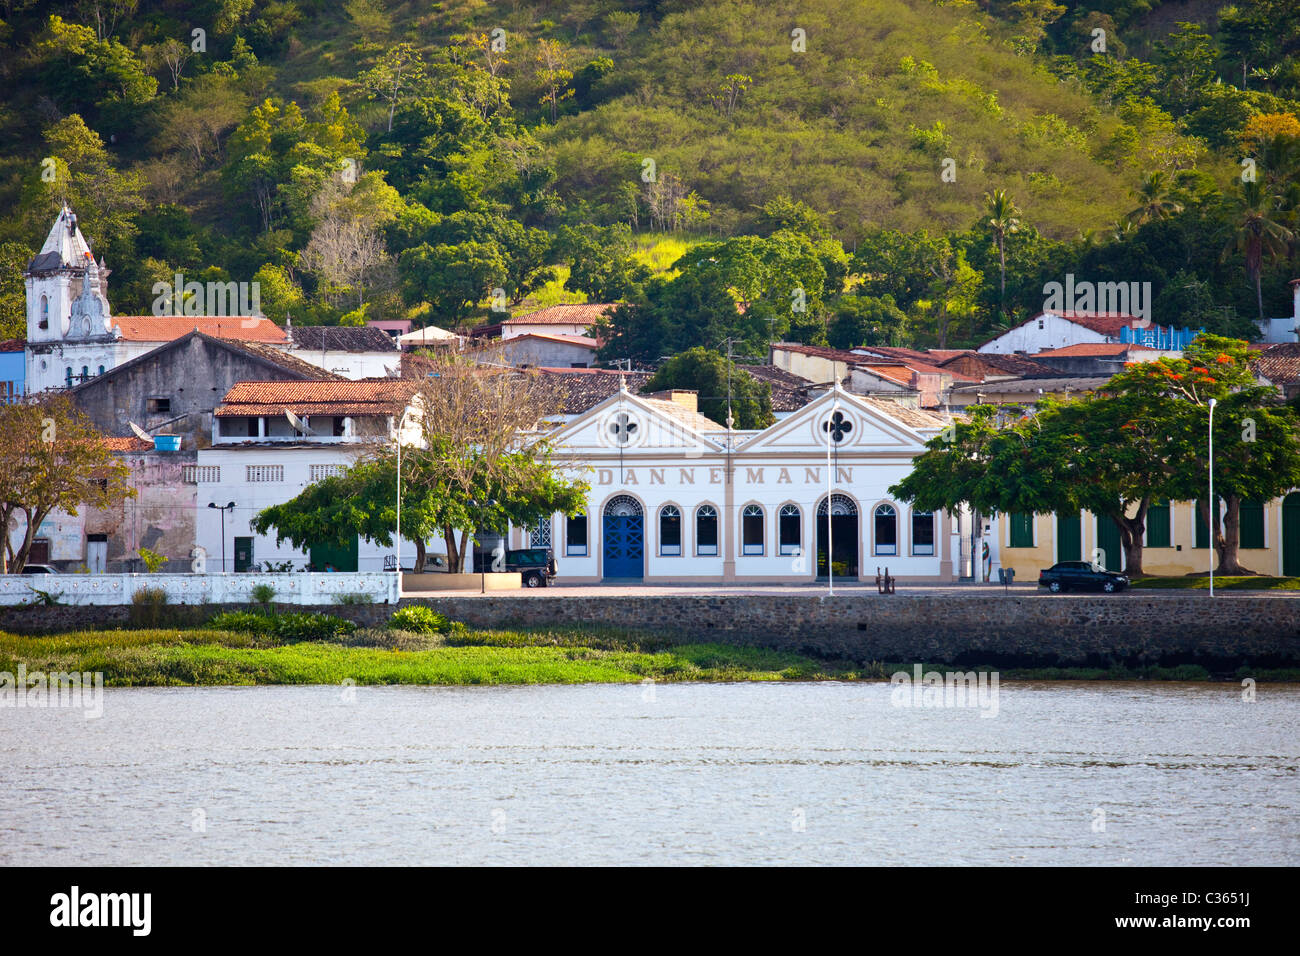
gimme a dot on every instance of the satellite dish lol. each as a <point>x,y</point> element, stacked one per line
<point>140,433</point>
<point>297,423</point>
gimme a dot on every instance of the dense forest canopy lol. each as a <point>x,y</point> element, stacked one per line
<point>896,172</point>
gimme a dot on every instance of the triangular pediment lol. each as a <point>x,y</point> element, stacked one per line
<point>862,426</point>
<point>630,425</point>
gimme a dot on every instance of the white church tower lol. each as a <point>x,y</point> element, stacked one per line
<point>70,334</point>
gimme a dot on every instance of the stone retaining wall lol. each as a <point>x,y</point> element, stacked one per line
<point>997,628</point>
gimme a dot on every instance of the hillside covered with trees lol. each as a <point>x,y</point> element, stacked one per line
<point>892,172</point>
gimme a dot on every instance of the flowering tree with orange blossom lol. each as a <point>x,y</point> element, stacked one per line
<point>1256,437</point>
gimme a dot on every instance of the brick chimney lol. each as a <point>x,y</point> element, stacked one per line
<point>678,396</point>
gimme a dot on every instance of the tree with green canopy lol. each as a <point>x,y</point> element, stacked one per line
<point>714,377</point>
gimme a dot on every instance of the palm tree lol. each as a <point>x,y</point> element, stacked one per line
<point>1154,200</point>
<point>1256,234</point>
<point>1003,221</point>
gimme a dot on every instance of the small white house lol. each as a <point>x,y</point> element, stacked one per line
<point>1058,330</point>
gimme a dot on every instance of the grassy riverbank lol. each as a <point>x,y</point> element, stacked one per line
<point>181,657</point>
<point>1256,582</point>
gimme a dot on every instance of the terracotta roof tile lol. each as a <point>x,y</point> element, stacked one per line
<point>1280,364</point>
<point>164,328</point>
<point>1095,349</point>
<point>341,338</point>
<point>351,398</point>
<point>586,314</point>
<point>129,443</point>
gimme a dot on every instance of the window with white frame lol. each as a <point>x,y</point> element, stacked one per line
<point>706,530</point>
<point>264,473</point>
<point>670,531</point>
<point>575,536</point>
<point>751,530</point>
<point>319,472</point>
<point>886,530</point>
<point>539,535</point>
<point>789,529</point>
<point>922,532</point>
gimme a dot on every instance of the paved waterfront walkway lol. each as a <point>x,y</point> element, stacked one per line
<point>559,591</point>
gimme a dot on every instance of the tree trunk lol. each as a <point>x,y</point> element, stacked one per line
<point>453,550</point>
<point>1130,536</point>
<point>1259,295</point>
<point>1002,263</point>
<point>1227,540</point>
<point>420,556</point>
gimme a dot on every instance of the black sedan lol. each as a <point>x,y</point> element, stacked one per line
<point>1080,576</point>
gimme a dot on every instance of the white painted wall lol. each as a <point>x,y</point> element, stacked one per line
<point>300,588</point>
<point>353,365</point>
<point>1055,333</point>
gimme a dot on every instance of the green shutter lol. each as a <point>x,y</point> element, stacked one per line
<point>1022,531</point>
<point>1202,531</point>
<point>1108,540</point>
<point>1251,533</point>
<point>1069,538</point>
<point>1158,525</point>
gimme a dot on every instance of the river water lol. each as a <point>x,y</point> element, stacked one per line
<point>1065,773</point>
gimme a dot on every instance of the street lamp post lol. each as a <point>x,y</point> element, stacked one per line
<point>1212,513</point>
<point>223,509</point>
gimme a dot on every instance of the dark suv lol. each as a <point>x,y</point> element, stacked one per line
<point>537,565</point>
<point>1080,576</point>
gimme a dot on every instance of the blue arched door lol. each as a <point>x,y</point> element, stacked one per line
<point>623,538</point>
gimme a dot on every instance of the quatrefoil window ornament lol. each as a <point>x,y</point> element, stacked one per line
<point>622,428</point>
<point>838,426</point>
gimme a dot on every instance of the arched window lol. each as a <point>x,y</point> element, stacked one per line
<point>85,373</point>
<point>706,530</point>
<point>45,312</point>
<point>69,370</point>
<point>922,532</point>
<point>670,531</point>
<point>751,530</point>
<point>101,370</point>
<point>886,530</point>
<point>789,530</point>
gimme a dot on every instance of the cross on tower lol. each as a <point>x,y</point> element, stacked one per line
<point>838,426</point>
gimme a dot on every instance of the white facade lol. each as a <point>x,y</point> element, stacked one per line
<point>352,365</point>
<point>762,496</point>
<point>1045,331</point>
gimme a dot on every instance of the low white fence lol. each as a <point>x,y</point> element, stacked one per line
<point>301,587</point>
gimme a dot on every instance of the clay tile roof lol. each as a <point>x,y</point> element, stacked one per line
<point>586,314</point>
<point>789,391</point>
<point>583,388</point>
<point>286,360</point>
<point>164,328</point>
<point>1005,364</point>
<point>680,413</point>
<point>351,398</point>
<point>1107,323</point>
<point>342,338</point>
<point>1099,349</point>
<point>1279,363</point>
<point>583,340</point>
<point>129,443</point>
<point>912,417</point>
<point>13,345</point>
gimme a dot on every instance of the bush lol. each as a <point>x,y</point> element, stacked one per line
<point>356,597</point>
<point>311,627</point>
<point>419,619</point>
<point>147,606</point>
<point>152,560</point>
<point>264,594</point>
<point>246,622</point>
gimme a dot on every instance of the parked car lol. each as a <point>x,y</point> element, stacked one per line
<point>1081,576</point>
<point>38,569</point>
<point>537,565</point>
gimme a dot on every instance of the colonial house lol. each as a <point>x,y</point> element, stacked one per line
<point>556,320</point>
<point>160,517</point>
<point>1279,365</point>
<point>1057,330</point>
<point>1176,541</point>
<point>994,366</point>
<point>353,352</point>
<point>270,441</point>
<point>175,388</point>
<point>1099,359</point>
<point>676,497</point>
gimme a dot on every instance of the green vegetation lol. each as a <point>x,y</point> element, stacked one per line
<point>763,174</point>
<point>1221,583</point>
<point>230,650</point>
<point>420,619</point>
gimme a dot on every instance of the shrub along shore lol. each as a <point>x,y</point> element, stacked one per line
<point>422,647</point>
